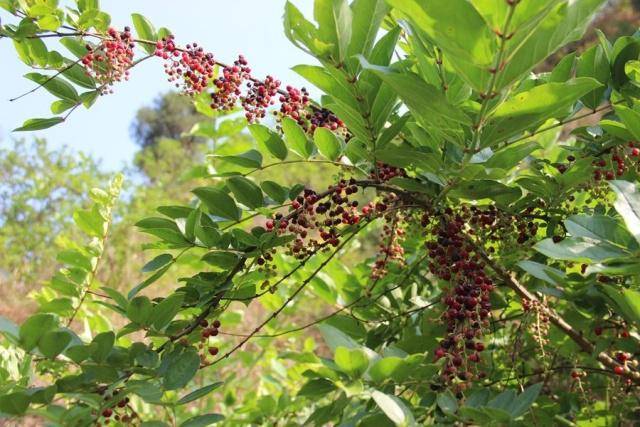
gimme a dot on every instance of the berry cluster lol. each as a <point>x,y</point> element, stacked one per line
<point>578,375</point>
<point>540,323</point>
<point>259,97</point>
<point>228,85</point>
<point>500,228</point>
<point>315,219</point>
<point>466,298</point>
<point>109,62</point>
<point>267,268</point>
<point>294,104</point>
<point>384,172</point>
<point>121,412</point>
<point>208,331</point>
<point>626,365</point>
<point>390,249</point>
<point>190,69</point>
<point>323,118</point>
<point>622,159</point>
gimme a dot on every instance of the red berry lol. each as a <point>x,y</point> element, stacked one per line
<point>619,370</point>
<point>107,413</point>
<point>213,351</point>
<point>598,330</point>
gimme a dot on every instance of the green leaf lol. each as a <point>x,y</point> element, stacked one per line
<point>394,409</point>
<point>14,403</point>
<point>563,71</point>
<point>157,262</point>
<point>326,82</point>
<point>49,22</point>
<point>38,51</point>
<point>336,338</point>
<point>593,63</point>
<point>524,401</point>
<point>352,361</point>
<point>89,98</point>
<point>56,86</point>
<point>316,387</point>
<point>274,190</point>
<point>404,156</point>
<point>394,368</point>
<point>53,343</point>
<point>145,31</point>
<point>543,272</point>
<point>303,33</point>
<point>270,139</point>
<point>102,345</point>
<point>578,249</point>
<point>511,155</point>
<point>182,370</point>
<point>246,192</point>
<point>202,420</point>
<point>529,109</point>
<point>78,353</point>
<point>75,46</point>
<point>139,310</point>
<point>296,139</point>
<point>460,31</point>
<point>78,75</point>
<point>630,118</point>
<point>90,221</point>
<point>628,205</point>
<point>627,301</point>
<point>600,227</point>
<point>22,49</point>
<point>84,5</point>
<point>166,310</point>
<point>250,159</point>
<point>447,402</point>
<point>218,202</point>
<point>560,25</point>
<point>222,259</point>
<point>195,395</point>
<point>34,328</point>
<point>486,189</point>
<point>328,143</point>
<point>76,259</point>
<point>367,17</point>
<point>427,103</point>
<point>149,281</point>
<point>39,124</point>
<point>625,49</point>
<point>206,231</point>
<point>334,25</point>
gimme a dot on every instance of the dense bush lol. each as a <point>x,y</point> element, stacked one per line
<point>506,266</point>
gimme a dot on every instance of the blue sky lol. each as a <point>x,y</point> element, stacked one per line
<point>226,28</point>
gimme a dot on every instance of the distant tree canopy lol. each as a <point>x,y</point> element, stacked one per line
<point>40,188</point>
<point>170,116</point>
